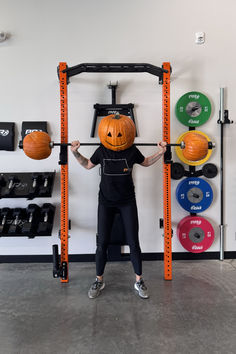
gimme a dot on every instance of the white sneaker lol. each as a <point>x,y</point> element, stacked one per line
<point>141,289</point>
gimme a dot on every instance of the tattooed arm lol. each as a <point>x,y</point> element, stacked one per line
<point>80,158</point>
<point>150,160</point>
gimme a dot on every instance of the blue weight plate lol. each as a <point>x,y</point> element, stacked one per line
<point>194,194</point>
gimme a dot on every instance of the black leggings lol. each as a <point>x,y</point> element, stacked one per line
<point>129,215</point>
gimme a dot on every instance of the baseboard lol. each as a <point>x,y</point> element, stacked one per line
<point>122,257</point>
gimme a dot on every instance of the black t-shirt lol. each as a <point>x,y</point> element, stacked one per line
<point>116,185</point>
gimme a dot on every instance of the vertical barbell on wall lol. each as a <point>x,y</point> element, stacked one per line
<point>223,119</point>
<point>167,173</point>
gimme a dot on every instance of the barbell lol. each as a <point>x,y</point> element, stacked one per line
<point>52,144</point>
<point>38,145</point>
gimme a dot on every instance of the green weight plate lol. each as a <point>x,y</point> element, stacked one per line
<point>193,109</point>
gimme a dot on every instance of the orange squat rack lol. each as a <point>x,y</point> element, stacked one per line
<point>64,73</point>
<point>167,174</point>
<point>64,172</point>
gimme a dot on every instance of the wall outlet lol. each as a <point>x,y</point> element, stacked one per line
<point>200,37</point>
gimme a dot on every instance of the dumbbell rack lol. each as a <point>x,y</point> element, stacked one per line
<point>34,220</point>
<point>26,184</point>
<point>27,222</point>
<point>64,73</point>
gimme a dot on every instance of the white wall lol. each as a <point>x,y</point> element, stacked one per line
<point>43,33</point>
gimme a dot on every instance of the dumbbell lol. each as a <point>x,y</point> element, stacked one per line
<point>5,214</point>
<point>33,217</point>
<point>15,227</point>
<point>11,183</point>
<point>46,223</point>
<point>12,180</point>
<point>35,178</point>
<point>45,185</point>
<point>34,185</point>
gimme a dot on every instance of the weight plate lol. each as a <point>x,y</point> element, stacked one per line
<point>209,170</point>
<point>193,109</point>
<point>194,194</point>
<point>177,170</point>
<point>195,234</point>
<point>180,155</point>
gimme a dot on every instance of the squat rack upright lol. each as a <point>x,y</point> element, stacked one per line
<point>64,73</point>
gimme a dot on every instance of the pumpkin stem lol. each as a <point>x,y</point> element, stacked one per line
<point>116,116</point>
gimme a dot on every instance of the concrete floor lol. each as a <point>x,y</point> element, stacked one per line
<point>193,313</point>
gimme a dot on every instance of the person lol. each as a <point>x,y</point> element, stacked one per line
<point>116,194</point>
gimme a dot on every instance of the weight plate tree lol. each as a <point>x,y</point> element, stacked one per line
<point>195,234</point>
<point>180,155</point>
<point>193,109</point>
<point>194,194</point>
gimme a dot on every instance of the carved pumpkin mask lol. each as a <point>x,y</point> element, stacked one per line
<point>116,132</point>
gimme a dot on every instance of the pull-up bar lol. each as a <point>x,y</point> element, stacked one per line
<point>115,68</point>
